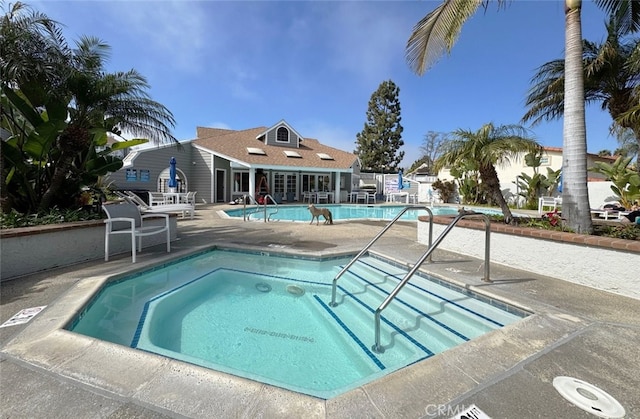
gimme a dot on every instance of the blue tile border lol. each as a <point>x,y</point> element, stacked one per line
<point>389,323</point>
<point>350,333</point>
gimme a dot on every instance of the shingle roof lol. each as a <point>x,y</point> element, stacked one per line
<point>233,145</point>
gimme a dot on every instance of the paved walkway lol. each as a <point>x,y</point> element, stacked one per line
<point>575,331</point>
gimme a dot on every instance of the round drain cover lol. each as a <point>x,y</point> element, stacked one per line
<point>295,290</point>
<point>262,287</point>
<point>588,397</point>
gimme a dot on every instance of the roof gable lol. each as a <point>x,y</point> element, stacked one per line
<point>249,148</point>
<point>281,134</point>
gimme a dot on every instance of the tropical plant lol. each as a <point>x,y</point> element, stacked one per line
<point>554,178</point>
<point>488,147</point>
<point>437,32</point>
<point>628,146</point>
<point>608,80</point>
<point>530,187</point>
<point>58,107</point>
<point>467,178</point>
<point>626,182</point>
<point>378,143</point>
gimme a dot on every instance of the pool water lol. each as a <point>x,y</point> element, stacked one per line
<point>267,318</point>
<point>342,212</point>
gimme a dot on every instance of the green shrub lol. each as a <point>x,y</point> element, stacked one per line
<point>622,231</point>
<point>15,219</point>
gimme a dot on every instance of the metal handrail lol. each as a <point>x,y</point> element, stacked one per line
<point>251,200</point>
<point>487,222</point>
<point>257,206</point>
<point>268,197</point>
<point>362,252</point>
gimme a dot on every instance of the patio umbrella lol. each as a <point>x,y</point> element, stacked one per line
<point>400,185</point>
<point>172,173</point>
<point>559,187</point>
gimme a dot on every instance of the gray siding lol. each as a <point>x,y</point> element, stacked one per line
<point>196,165</point>
<point>155,160</point>
<point>201,179</point>
<point>272,135</point>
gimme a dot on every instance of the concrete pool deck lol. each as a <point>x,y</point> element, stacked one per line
<point>575,331</point>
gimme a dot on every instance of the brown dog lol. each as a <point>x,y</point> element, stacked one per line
<point>317,212</point>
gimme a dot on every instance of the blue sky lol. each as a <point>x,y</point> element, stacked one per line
<point>315,64</point>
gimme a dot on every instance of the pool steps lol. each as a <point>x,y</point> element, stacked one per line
<point>403,316</point>
<point>437,294</point>
<point>415,313</point>
<point>413,325</point>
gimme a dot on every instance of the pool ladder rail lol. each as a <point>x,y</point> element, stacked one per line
<point>254,206</point>
<point>377,347</point>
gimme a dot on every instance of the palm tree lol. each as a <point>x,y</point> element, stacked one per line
<point>609,79</point>
<point>437,33</point>
<point>628,146</point>
<point>632,116</point>
<point>486,148</point>
<point>108,102</point>
<point>58,104</point>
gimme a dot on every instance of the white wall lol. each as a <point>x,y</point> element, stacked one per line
<point>600,193</point>
<point>29,253</point>
<point>591,266</point>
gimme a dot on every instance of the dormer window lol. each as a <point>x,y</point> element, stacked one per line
<point>282,135</point>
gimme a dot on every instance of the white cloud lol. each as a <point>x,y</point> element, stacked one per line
<point>219,124</point>
<point>173,29</point>
<point>366,39</point>
<point>328,134</point>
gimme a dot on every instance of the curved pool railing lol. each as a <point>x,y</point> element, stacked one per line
<point>258,206</point>
<point>364,250</point>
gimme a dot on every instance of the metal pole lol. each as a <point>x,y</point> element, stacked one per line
<point>387,227</point>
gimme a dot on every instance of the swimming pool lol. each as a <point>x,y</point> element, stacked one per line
<point>267,318</point>
<point>343,212</point>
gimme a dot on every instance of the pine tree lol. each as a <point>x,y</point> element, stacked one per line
<point>379,142</point>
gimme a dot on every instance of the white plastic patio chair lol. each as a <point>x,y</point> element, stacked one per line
<point>362,196</point>
<point>125,218</point>
<point>551,203</point>
<point>307,196</point>
<point>322,196</point>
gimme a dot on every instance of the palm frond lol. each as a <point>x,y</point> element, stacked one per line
<point>437,32</point>
<point>545,100</point>
<point>627,11</point>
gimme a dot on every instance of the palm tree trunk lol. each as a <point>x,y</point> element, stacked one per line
<point>71,141</point>
<point>575,194</point>
<point>490,179</point>
<point>55,186</point>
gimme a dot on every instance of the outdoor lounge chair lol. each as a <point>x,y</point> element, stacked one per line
<point>132,198</point>
<point>609,211</point>
<point>125,218</point>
